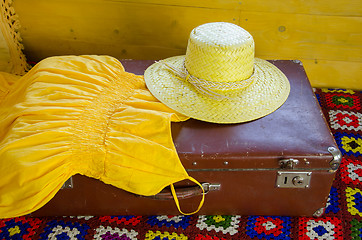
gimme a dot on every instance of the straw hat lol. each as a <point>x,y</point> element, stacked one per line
<point>218,80</point>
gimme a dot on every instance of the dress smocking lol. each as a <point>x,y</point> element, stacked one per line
<point>81,115</point>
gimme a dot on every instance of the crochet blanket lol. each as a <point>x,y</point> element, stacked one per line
<point>342,220</point>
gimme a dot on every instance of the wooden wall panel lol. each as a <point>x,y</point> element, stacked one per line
<point>319,7</point>
<point>314,7</point>
<point>5,58</point>
<point>334,74</point>
<point>322,34</point>
<point>123,30</point>
<point>300,36</point>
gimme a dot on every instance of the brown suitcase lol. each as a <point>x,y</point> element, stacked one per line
<point>281,164</point>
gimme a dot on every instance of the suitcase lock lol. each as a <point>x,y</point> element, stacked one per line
<point>293,179</point>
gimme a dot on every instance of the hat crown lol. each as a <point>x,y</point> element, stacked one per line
<point>220,52</point>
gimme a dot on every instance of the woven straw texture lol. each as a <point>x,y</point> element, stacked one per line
<point>12,58</point>
<point>223,47</point>
<point>219,53</point>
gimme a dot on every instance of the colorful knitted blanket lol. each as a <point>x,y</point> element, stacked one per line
<point>342,219</point>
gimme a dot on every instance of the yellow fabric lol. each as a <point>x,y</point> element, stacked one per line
<point>177,202</point>
<point>81,114</point>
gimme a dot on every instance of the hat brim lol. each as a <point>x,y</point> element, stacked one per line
<point>268,91</point>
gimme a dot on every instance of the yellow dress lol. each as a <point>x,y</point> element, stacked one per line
<point>86,115</point>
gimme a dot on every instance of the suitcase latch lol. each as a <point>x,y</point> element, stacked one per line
<point>293,179</point>
<point>211,187</point>
<point>288,163</point>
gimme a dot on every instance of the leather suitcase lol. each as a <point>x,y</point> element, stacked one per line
<point>281,164</point>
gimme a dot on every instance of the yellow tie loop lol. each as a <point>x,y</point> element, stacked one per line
<point>178,203</point>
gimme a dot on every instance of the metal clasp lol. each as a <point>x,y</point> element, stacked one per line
<point>337,158</point>
<point>211,187</point>
<point>288,163</point>
<point>68,183</point>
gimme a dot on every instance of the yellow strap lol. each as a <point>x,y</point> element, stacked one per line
<point>177,202</point>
